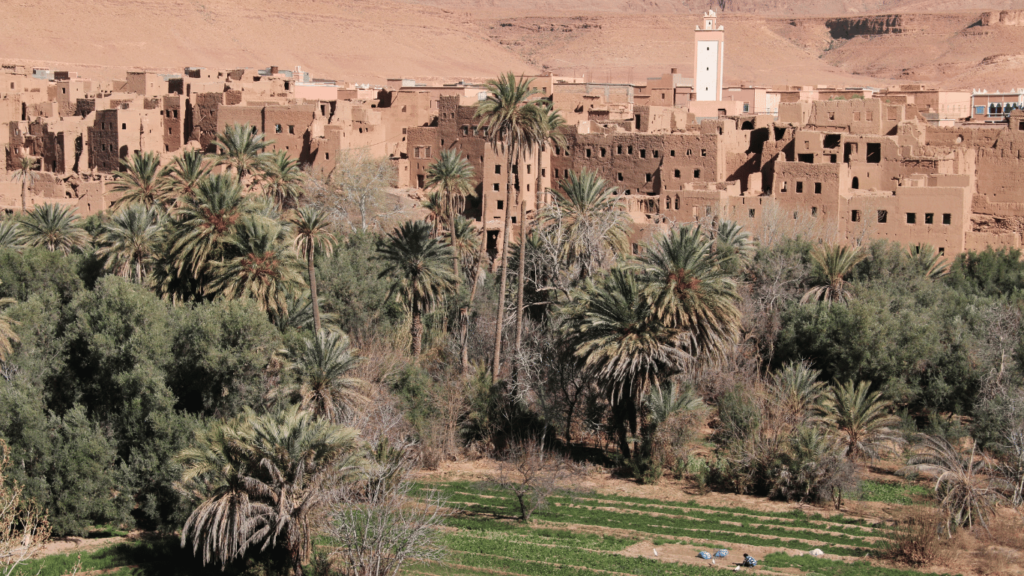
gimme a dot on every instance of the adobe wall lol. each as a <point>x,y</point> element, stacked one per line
<point>201,122</point>
<point>103,141</point>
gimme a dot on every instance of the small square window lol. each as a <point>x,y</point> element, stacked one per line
<point>124,125</point>
<point>604,152</point>
<point>911,218</point>
<point>750,213</point>
<point>799,187</point>
<point>619,149</point>
<point>655,153</point>
<point>291,129</point>
<point>814,210</point>
<point>696,173</point>
<point>648,176</point>
<point>942,251</point>
<point>643,153</point>
<point>817,187</point>
<point>929,218</point>
<point>497,168</point>
<point>672,153</point>
<point>277,128</point>
<point>678,173</point>
<point>588,152</point>
<point>883,216</point>
<point>513,219</point>
<point>855,216</point>
<point>501,204</point>
<point>947,219</point>
<point>620,176</point>
<point>703,152</point>
<point>629,150</point>
<point>543,172</point>
<point>689,152</point>
<point>497,187</point>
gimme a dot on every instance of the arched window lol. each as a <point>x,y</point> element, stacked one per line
<point>677,201</point>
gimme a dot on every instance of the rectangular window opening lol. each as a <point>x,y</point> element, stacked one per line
<point>911,218</point>
<point>883,216</point>
<point>817,187</point>
<point>855,216</point>
<point>947,219</point>
<point>501,204</point>
<point>799,187</point>
<point>929,218</point>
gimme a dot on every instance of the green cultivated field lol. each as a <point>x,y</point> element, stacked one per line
<point>577,535</point>
<point>567,538</point>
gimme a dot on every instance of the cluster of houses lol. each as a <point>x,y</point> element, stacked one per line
<point>907,163</point>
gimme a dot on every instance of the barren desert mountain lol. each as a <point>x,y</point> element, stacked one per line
<point>771,42</point>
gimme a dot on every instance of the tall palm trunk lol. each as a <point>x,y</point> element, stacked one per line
<point>312,293</point>
<point>496,364</point>
<point>522,274</point>
<point>474,283</point>
<point>24,195</point>
<point>138,271</point>
<point>520,309</point>
<point>417,330</point>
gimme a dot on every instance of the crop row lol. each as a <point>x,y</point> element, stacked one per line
<point>796,519</point>
<point>661,524</point>
<point>527,559</point>
<point>487,527</point>
<point>814,565</point>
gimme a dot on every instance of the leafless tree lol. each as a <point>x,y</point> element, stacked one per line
<point>531,474</point>
<point>382,525</point>
<point>23,525</point>
<point>354,192</point>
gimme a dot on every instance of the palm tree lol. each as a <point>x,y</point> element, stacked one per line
<point>690,292</point>
<point>186,171</point>
<point>595,228</point>
<point>324,385</point>
<point>419,266</point>
<point>11,234</point>
<point>514,125</point>
<point>55,227</point>
<point>282,179</point>
<point>311,237</point>
<point>467,251</point>
<point>662,404</point>
<point>734,249</point>
<point>7,333</point>
<point>141,180</point>
<point>928,261</point>
<point>216,474</point>
<point>205,222</point>
<point>623,344</point>
<point>258,479</point>
<point>435,213</point>
<point>798,387</point>
<point>241,148</point>
<point>831,264</point>
<point>129,241</point>
<point>452,177</point>
<point>258,264</point>
<point>963,481</point>
<point>549,132</point>
<point>26,176</point>
<point>862,419</point>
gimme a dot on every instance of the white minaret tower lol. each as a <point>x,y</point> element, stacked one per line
<point>708,56</point>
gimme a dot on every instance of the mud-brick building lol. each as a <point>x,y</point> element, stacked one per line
<point>457,129</point>
<point>117,134</point>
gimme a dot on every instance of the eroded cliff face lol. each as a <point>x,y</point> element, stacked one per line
<point>1003,18</point>
<point>848,28</point>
